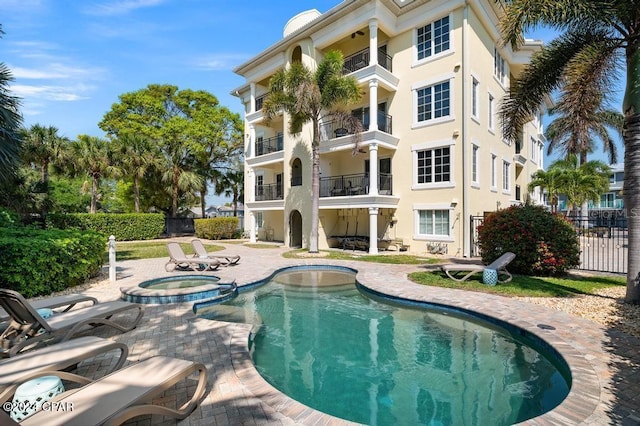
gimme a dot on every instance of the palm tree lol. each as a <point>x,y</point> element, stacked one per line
<point>179,173</point>
<point>231,184</point>
<point>548,181</point>
<point>91,155</point>
<point>10,124</point>
<point>310,97</point>
<point>574,133</point>
<point>42,146</point>
<point>580,182</point>
<point>135,156</point>
<point>598,38</point>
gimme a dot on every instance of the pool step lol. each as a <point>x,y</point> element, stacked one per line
<point>227,292</point>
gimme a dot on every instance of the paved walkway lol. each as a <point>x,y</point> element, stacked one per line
<point>605,364</point>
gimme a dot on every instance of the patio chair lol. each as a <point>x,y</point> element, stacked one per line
<point>460,271</point>
<point>27,328</point>
<point>201,252</point>
<point>182,262</point>
<point>67,300</point>
<point>59,356</point>
<point>121,395</point>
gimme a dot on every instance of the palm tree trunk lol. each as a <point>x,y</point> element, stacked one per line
<point>94,195</point>
<point>174,193</point>
<point>136,194</point>
<point>203,194</point>
<point>315,187</point>
<point>631,133</point>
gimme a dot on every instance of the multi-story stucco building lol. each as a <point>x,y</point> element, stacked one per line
<point>431,155</point>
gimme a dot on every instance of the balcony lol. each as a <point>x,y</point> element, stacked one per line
<point>269,192</point>
<point>260,101</point>
<point>334,129</point>
<point>361,59</point>
<point>267,146</point>
<point>355,184</point>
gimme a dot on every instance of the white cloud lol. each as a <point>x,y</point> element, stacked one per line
<point>50,92</point>
<point>120,7</point>
<point>220,62</point>
<point>57,71</point>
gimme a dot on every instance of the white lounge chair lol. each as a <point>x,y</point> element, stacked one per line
<point>28,328</point>
<point>120,396</point>
<point>181,261</point>
<point>461,271</point>
<point>201,252</point>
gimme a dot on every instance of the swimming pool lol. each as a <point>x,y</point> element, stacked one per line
<point>333,348</point>
<point>176,289</point>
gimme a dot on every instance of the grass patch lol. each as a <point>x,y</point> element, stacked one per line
<point>398,259</point>
<point>261,246</point>
<point>151,249</point>
<point>523,285</point>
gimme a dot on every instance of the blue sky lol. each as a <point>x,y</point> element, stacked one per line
<point>72,59</point>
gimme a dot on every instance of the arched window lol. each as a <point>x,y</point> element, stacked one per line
<point>296,56</point>
<point>296,172</point>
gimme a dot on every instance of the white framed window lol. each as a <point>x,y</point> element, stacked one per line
<point>534,151</point>
<point>475,98</point>
<point>491,113</point>
<point>433,166</point>
<point>433,222</point>
<point>494,172</point>
<point>259,220</point>
<point>499,67</point>
<point>506,178</point>
<point>433,102</point>
<point>475,178</point>
<point>433,39</point>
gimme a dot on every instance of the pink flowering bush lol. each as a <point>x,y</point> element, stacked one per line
<point>545,244</point>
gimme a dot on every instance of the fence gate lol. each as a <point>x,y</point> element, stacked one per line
<point>604,242</point>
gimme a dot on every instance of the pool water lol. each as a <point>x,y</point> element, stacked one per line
<point>327,345</point>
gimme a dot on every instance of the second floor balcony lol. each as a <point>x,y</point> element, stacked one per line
<point>269,192</point>
<point>267,146</point>
<point>361,59</point>
<point>354,184</point>
<point>335,129</point>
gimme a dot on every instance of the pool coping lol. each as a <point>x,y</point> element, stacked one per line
<point>581,402</point>
<point>144,295</point>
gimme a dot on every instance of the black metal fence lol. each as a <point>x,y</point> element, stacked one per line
<point>604,242</point>
<point>179,226</point>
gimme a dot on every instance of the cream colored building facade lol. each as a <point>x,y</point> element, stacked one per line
<point>431,155</point>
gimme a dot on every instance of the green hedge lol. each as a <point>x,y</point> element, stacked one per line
<point>38,262</point>
<point>217,228</point>
<point>125,227</point>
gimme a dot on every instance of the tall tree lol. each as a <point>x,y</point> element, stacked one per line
<point>41,147</point>
<point>135,156</point>
<point>311,97</point>
<point>598,37</point>
<point>10,124</point>
<point>575,134</point>
<point>90,156</point>
<point>231,184</point>
<point>180,122</point>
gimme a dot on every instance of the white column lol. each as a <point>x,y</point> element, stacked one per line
<point>252,184</point>
<point>252,107</point>
<point>252,227</point>
<point>373,42</point>
<point>251,149</point>
<point>373,104</point>
<point>373,169</point>
<point>373,230</point>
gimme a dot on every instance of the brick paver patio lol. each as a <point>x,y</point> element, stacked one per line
<point>605,364</point>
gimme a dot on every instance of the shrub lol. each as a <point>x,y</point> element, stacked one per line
<point>38,262</point>
<point>544,243</point>
<point>125,227</point>
<point>9,219</point>
<point>217,228</point>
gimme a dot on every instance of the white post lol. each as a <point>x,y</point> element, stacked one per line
<point>252,227</point>
<point>112,259</point>
<point>252,98</point>
<point>373,105</point>
<point>373,169</point>
<point>373,230</point>
<point>373,42</point>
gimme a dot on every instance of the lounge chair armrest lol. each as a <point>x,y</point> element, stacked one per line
<point>8,392</point>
